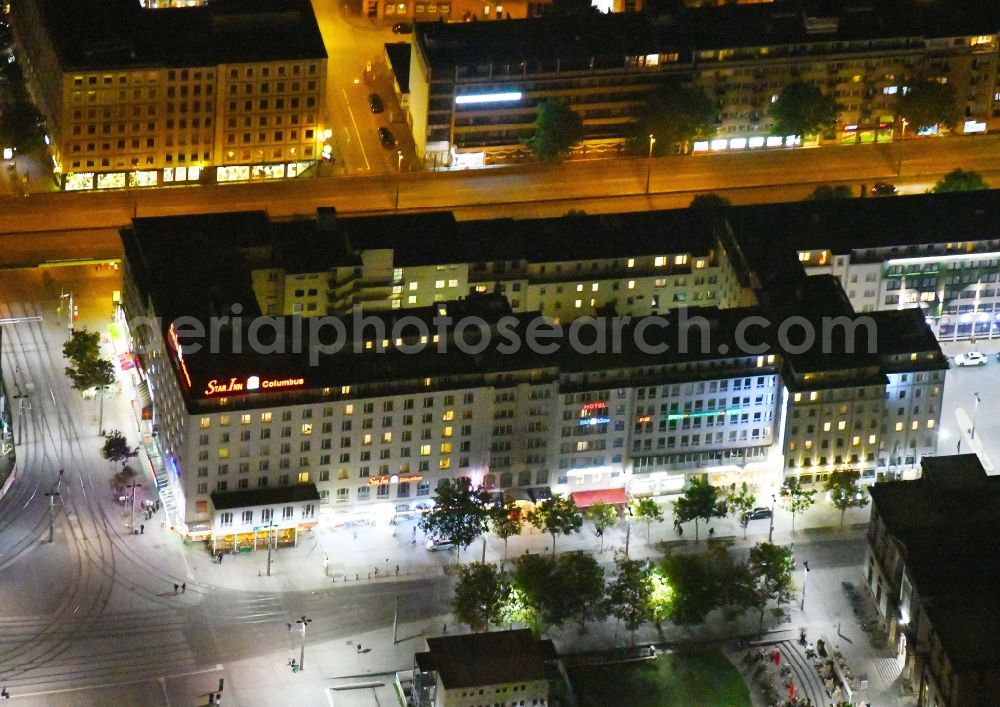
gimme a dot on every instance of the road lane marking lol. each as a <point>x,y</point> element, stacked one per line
<point>361,144</point>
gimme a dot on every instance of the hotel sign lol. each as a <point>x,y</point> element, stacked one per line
<point>230,386</point>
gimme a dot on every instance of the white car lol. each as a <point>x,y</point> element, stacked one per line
<point>439,544</point>
<point>972,358</point>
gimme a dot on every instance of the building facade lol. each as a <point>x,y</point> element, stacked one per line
<point>474,89</point>
<point>140,97</point>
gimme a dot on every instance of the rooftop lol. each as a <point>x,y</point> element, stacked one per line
<point>121,34</point>
<point>607,39</point>
<point>491,658</point>
<point>399,61</point>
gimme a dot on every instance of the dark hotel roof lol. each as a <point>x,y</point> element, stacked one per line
<point>224,501</point>
<point>492,658</point>
<point>946,523</point>
<point>107,34</point>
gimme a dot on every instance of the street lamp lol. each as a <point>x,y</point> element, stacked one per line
<point>270,527</point>
<point>770,531</point>
<point>805,578</point>
<point>649,161</point>
<point>399,169</point>
<point>303,622</point>
<point>975,409</point>
<point>902,135</point>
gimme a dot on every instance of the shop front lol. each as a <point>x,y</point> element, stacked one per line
<point>245,521</point>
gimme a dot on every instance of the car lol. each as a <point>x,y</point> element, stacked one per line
<point>758,513</point>
<point>402,28</point>
<point>386,138</point>
<point>423,508</point>
<point>375,103</point>
<point>883,189</point>
<point>439,544</point>
<point>971,358</point>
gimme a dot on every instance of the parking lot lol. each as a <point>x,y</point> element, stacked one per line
<point>959,413</point>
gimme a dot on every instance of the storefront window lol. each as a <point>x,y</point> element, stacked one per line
<point>77,181</point>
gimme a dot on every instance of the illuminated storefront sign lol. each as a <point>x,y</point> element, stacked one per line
<point>237,385</point>
<point>500,97</point>
<point>595,421</point>
<point>644,419</point>
<point>394,479</point>
<point>705,413</point>
<point>595,406</point>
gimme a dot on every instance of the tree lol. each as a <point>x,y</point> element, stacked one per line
<point>629,593</point>
<point>845,492</point>
<point>929,103</point>
<point>460,513</point>
<point>960,180</point>
<point>825,192</point>
<point>557,129</point>
<point>92,374</point>
<point>20,126</point>
<point>675,115</point>
<point>795,498</point>
<point>556,516</point>
<point>770,567</point>
<point>480,596</point>
<point>82,345</point>
<point>603,516</point>
<point>660,604</point>
<point>802,109</point>
<point>693,597</point>
<point>116,448</point>
<point>580,584</point>
<point>710,202</point>
<point>740,503</point>
<point>124,477</point>
<point>730,582</point>
<point>648,510</point>
<point>538,592</point>
<point>505,521</point>
<point>700,501</point>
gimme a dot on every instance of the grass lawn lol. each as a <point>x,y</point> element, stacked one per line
<point>702,678</point>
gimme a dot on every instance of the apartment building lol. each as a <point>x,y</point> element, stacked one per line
<point>929,566</point>
<point>638,403</point>
<point>474,88</point>
<point>137,96</point>
<point>939,253</point>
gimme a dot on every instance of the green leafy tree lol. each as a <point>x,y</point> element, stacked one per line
<point>124,477</point>
<point>648,510</point>
<point>506,521</point>
<point>20,126</point>
<point>700,501</point>
<point>603,516</point>
<point>740,502</point>
<point>629,593</point>
<point>580,584</point>
<point>556,516</point>
<point>660,604</point>
<point>929,103</point>
<point>539,592</point>
<point>116,448</point>
<point>770,567</point>
<point>960,180</point>
<point>676,116</point>
<point>82,346</point>
<point>693,596</point>
<point>845,491</point>
<point>481,596</point>
<point>92,374</point>
<point>557,130</point>
<point>802,109</point>
<point>730,582</point>
<point>796,498</point>
<point>825,192</point>
<point>460,513</point>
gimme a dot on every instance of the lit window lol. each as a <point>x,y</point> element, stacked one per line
<point>345,390</point>
<point>367,439</point>
<point>855,441</point>
<point>446,447</point>
<point>594,287</point>
<point>265,417</point>
<point>445,463</point>
<point>826,426</point>
<point>448,415</point>
<point>307,428</point>
<point>414,285</point>
<point>930,424</point>
<point>579,288</point>
<point>223,453</point>
<point>680,260</point>
<point>631,261</point>
<point>659,261</point>
<point>439,284</point>
<point>798,397</point>
<point>578,303</point>
<point>349,409</point>
<point>303,477</point>
<point>425,450</point>
<point>813,396</point>
<point>871,439</point>
<point>631,284</point>
<point>809,444</point>
<point>899,427</point>
<point>245,419</point>
<point>386,437</point>
<point>446,432</point>
<point>914,425</point>
<point>205,422</point>
<point>842,425</point>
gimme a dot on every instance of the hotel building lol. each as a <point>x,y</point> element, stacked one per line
<point>134,97</point>
<point>474,88</point>
<point>374,427</point>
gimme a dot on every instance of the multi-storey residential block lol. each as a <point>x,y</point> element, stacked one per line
<point>421,395</point>
<point>229,91</point>
<point>474,88</point>
<point>931,570</point>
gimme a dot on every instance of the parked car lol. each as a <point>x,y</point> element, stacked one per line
<point>386,138</point>
<point>971,358</point>
<point>757,514</point>
<point>375,103</point>
<point>883,189</point>
<point>402,28</point>
<point>438,544</point>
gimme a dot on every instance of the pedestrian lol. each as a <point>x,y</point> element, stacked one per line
<point>61,473</point>
<point>444,629</point>
<point>184,587</point>
<point>711,532</point>
<point>680,529</point>
<point>359,648</point>
<point>397,570</point>
<point>376,571</point>
<point>176,587</point>
<point>142,530</point>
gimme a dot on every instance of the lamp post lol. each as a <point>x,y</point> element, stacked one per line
<point>270,527</point>
<point>303,622</point>
<point>805,578</point>
<point>649,161</point>
<point>975,409</point>
<point>628,528</point>
<point>902,135</point>
<point>770,531</point>
<point>131,522</point>
<point>52,510</point>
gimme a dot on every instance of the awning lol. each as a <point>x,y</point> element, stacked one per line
<point>145,400</point>
<point>586,499</point>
